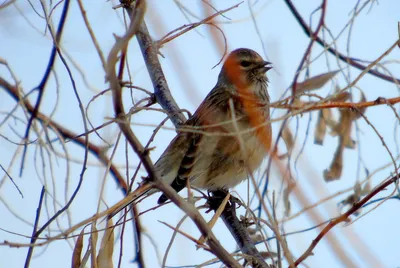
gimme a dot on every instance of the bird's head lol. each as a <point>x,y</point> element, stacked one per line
<point>243,67</point>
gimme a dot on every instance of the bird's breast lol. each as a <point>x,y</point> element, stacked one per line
<point>257,143</point>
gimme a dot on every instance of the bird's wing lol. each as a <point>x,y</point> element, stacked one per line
<point>186,164</point>
<point>169,162</point>
<point>208,113</point>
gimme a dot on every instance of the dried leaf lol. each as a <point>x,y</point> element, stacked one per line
<point>357,188</point>
<point>320,129</point>
<point>286,201</point>
<point>357,113</point>
<point>343,128</point>
<point>342,96</point>
<point>367,188</point>
<point>287,137</point>
<point>354,197</point>
<point>297,102</point>
<point>325,119</point>
<point>85,259</point>
<point>76,254</point>
<point>348,117</point>
<point>335,170</point>
<point>93,246</point>
<point>104,258</point>
<point>315,82</point>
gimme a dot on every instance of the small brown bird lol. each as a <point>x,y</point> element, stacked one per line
<point>229,135</point>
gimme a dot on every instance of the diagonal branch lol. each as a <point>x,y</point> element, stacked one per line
<point>42,85</point>
<point>165,99</point>
<point>344,217</point>
<point>342,57</point>
<point>307,53</point>
<point>161,89</point>
<point>66,133</point>
<point>136,16</point>
<point>237,229</point>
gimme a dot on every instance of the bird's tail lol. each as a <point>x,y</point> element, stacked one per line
<point>144,189</point>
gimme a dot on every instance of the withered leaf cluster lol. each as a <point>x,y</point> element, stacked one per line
<point>326,122</point>
<point>342,129</point>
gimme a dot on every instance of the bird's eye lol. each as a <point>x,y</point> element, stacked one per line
<point>245,63</point>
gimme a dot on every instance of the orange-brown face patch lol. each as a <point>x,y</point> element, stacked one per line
<point>256,116</point>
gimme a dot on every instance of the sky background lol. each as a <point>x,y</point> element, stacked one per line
<point>25,45</point>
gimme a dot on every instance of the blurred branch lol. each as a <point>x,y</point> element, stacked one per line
<point>237,229</point>
<point>345,217</point>
<point>136,15</point>
<point>165,99</point>
<point>35,226</point>
<point>6,4</point>
<point>43,82</point>
<point>334,52</point>
<point>315,106</point>
<point>186,28</point>
<point>307,53</point>
<point>161,89</point>
<point>66,133</point>
<point>139,229</point>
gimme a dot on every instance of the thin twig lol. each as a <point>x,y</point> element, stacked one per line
<point>161,89</point>
<point>333,51</point>
<point>136,16</point>
<point>43,82</point>
<point>344,217</point>
<point>35,226</point>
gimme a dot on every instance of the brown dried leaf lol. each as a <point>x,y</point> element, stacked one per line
<point>328,117</point>
<point>286,200</point>
<point>335,170</point>
<point>297,102</point>
<point>357,188</point>
<point>325,119</point>
<point>354,197</point>
<point>315,82</point>
<point>367,188</point>
<point>343,128</point>
<point>348,117</point>
<point>93,246</point>
<point>320,129</point>
<point>76,254</point>
<point>104,258</point>
<point>342,96</point>
<point>357,113</point>
<point>287,137</point>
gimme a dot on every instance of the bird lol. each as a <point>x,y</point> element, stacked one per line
<point>228,136</point>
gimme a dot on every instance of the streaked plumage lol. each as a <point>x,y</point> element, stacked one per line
<point>207,151</point>
<point>210,156</point>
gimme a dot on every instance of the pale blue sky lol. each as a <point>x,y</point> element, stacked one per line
<point>188,66</point>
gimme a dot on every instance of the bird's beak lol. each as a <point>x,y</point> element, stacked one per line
<point>264,66</point>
